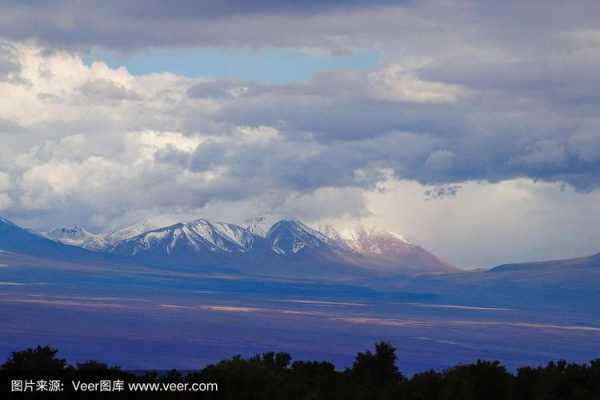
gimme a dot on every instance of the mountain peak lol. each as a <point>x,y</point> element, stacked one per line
<point>376,241</point>
<point>129,231</point>
<point>291,236</point>
<point>71,231</point>
<point>76,235</point>
<point>376,232</point>
<point>185,240</point>
<point>293,224</point>
<point>216,232</point>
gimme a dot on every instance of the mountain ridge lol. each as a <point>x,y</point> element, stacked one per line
<point>202,242</point>
<point>576,262</point>
<point>75,235</point>
<point>16,239</point>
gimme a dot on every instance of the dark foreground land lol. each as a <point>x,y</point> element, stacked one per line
<point>39,373</point>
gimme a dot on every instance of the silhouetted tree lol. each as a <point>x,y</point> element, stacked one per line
<point>376,374</point>
<point>373,376</point>
<point>425,386</point>
<point>38,360</point>
<point>482,380</point>
<point>558,380</point>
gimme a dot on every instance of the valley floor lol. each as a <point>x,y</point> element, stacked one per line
<point>142,318</point>
<point>187,332</point>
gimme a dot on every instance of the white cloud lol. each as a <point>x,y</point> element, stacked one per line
<point>401,83</point>
<point>57,184</point>
<point>489,224</point>
<point>260,134</point>
<point>148,143</point>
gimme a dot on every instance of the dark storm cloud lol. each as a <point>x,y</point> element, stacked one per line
<point>498,133</point>
<point>151,23</point>
<point>331,106</point>
<point>201,9</point>
<point>405,25</point>
<point>568,78</point>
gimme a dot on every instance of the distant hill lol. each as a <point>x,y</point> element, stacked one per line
<point>579,262</point>
<point>18,240</point>
<point>558,283</point>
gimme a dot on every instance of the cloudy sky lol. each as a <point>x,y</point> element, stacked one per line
<point>472,128</point>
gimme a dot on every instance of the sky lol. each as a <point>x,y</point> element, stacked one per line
<point>471,128</point>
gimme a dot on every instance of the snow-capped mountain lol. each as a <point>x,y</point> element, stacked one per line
<point>77,236</point>
<point>292,237</point>
<point>375,241</point>
<point>135,229</point>
<point>203,242</point>
<point>22,241</point>
<point>287,244</point>
<point>380,249</point>
<point>199,241</point>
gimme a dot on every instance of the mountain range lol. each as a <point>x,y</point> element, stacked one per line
<point>287,248</point>
<point>292,253</point>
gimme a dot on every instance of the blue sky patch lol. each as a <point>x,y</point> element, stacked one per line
<point>273,65</point>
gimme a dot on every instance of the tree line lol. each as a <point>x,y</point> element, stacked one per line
<point>373,375</point>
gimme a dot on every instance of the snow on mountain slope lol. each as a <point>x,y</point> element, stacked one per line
<point>379,249</point>
<point>77,236</point>
<point>219,234</point>
<point>129,231</point>
<point>292,237</point>
<point>22,241</point>
<point>371,249</point>
<point>188,240</point>
<point>375,241</point>
<point>204,242</point>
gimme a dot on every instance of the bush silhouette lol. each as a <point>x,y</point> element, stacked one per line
<point>374,375</point>
<point>39,360</point>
